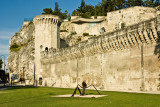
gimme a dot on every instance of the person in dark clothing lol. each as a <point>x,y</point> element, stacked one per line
<point>84,87</point>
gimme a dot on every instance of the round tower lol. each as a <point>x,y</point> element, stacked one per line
<point>47,35</point>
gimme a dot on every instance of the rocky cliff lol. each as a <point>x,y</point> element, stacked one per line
<point>21,52</point>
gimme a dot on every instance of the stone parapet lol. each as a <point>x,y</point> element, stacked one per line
<point>145,33</point>
<point>52,19</point>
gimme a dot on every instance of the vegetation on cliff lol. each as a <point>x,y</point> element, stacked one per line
<point>101,9</point>
<point>15,47</point>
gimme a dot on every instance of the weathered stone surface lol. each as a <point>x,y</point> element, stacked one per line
<point>114,61</point>
<point>22,62</point>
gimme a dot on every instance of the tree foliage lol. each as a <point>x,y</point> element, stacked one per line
<point>57,11</point>
<point>101,9</point>
<point>1,62</point>
<point>2,75</point>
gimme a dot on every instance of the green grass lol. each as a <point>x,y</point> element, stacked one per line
<point>41,97</point>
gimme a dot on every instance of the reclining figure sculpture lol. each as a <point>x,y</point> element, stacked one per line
<point>84,86</point>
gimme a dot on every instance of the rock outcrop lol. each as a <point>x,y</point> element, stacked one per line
<point>21,57</point>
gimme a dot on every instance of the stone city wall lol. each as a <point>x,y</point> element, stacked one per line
<point>120,60</point>
<point>128,17</point>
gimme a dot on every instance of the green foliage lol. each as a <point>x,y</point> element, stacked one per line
<point>7,76</point>
<point>95,13</point>
<point>123,25</point>
<point>15,47</point>
<point>63,31</point>
<point>1,62</point>
<point>69,17</point>
<point>2,75</point>
<point>131,3</point>
<point>149,3</point>
<point>85,34</point>
<point>73,33</point>
<point>47,11</point>
<point>157,2</point>
<point>82,7</point>
<point>57,11</point>
<point>25,44</point>
<point>79,39</point>
<point>86,15</point>
<point>105,6</point>
<point>56,6</point>
<point>86,11</point>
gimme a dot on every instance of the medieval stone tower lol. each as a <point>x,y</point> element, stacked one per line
<point>47,35</point>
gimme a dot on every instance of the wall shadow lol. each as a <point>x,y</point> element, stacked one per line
<point>21,87</point>
<point>157,47</point>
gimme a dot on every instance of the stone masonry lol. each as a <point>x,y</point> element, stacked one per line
<point>123,58</point>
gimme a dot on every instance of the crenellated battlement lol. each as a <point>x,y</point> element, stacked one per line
<point>50,19</point>
<point>133,36</point>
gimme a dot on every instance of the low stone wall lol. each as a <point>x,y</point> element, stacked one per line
<point>121,60</point>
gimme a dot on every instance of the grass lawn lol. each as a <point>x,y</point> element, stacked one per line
<point>41,97</point>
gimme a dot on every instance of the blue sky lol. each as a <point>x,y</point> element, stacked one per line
<point>13,12</point>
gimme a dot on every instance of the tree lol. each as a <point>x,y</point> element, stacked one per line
<point>95,13</point>
<point>157,2</point>
<point>131,3</point>
<point>138,2</point>
<point>120,4</point>
<point>1,62</point>
<point>56,6</point>
<point>105,6</point>
<point>82,7</point>
<point>85,11</point>
<point>98,9</point>
<point>90,9</point>
<point>69,17</point>
<point>47,11</point>
<point>57,11</point>
<point>149,3</point>
<point>2,75</point>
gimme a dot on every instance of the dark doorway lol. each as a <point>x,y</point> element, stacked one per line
<point>40,81</point>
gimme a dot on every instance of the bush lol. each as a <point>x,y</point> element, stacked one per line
<point>86,15</point>
<point>73,33</point>
<point>123,25</point>
<point>79,39</point>
<point>15,47</point>
<point>85,34</point>
<point>63,31</point>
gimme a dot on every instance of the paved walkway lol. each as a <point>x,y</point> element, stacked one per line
<point>143,92</point>
<point>85,96</point>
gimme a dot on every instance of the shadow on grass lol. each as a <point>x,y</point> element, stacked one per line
<point>21,87</point>
<point>23,99</point>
